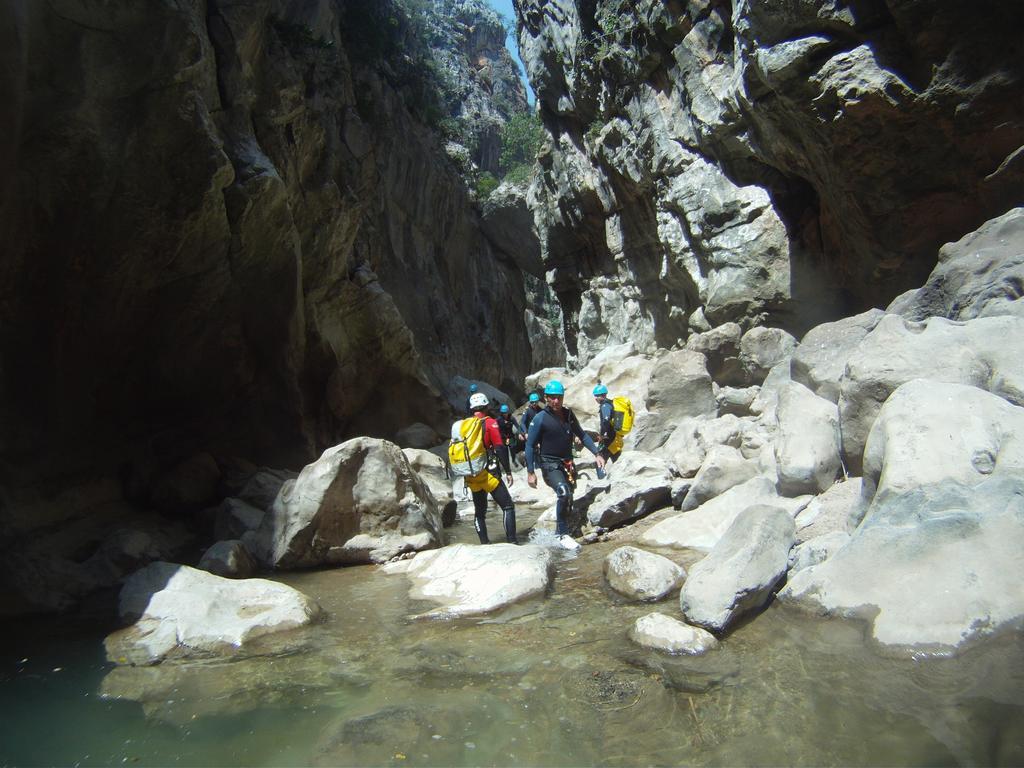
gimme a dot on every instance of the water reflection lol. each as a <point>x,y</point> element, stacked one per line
<point>550,682</point>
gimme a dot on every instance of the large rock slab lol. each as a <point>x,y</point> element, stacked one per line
<point>723,468</point>
<point>761,349</point>
<point>944,472</point>
<point>434,471</point>
<point>820,360</point>
<point>742,570</point>
<point>979,275</point>
<point>360,502</point>
<point>701,528</point>
<point>638,483</point>
<point>956,568</point>
<point>987,353</point>
<point>807,446</point>
<point>642,575</point>
<point>469,580</point>
<point>840,508</point>
<point>663,633</point>
<point>180,611</point>
<point>680,387</point>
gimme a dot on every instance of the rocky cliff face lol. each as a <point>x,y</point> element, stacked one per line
<point>228,227</point>
<point>468,40</point>
<point>772,162</point>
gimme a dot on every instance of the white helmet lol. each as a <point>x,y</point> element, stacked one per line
<point>478,400</point>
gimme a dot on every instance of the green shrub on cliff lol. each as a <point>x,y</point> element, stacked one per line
<point>521,139</point>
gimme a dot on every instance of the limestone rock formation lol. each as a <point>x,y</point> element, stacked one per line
<point>360,502</point>
<point>788,162</point>
<point>179,612</point>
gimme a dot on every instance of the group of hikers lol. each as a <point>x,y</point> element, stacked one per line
<point>486,446</point>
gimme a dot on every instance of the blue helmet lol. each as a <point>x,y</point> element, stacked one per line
<point>554,387</point>
<point>534,397</point>
<point>472,388</point>
<point>600,389</point>
<point>504,408</point>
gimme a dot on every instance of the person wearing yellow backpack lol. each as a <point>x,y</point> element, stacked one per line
<point>485,481</point>
<point>616,421</point>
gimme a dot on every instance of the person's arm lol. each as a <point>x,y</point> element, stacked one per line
<point>531,442</point>
<point>493,439</point>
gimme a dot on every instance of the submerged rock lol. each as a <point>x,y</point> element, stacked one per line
<point>468,580</point>
<point>663,633</point>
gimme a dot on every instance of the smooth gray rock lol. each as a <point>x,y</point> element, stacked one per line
<point>470,580</point>
<point>741,571</point>
<point>642,575</point>
<point>980,275</point>
<point>737,400</point>
<point>839,508</point>
<point>703,527</point>
<point>761,349</point>
<point>360,502</point>
<point>820,359</point>
<point>664,633</point>
<point>234,518</point>
<point>723,468</point>
<point>943,473</point>
<point>807,446</point>
<point>229,559</point>
<point>180,611</point>
<point>638,483</point>
<point>816,550</point>
<point>987,353</point>
<point>680,387</point>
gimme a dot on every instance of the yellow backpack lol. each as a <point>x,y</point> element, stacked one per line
<point>467,455</point>
<point>622,415</point>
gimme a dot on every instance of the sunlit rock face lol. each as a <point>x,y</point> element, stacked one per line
<point>231,228</point>
<point>785,163</point>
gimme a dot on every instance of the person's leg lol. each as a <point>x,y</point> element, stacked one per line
<point>480,510</point>
<point>555,477</point>
<point>503,499</point>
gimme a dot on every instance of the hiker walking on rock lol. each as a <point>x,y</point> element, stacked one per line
<point>549,445</point>
<point>487,481</point>
<point>513,438</point>
<point>610,439</point>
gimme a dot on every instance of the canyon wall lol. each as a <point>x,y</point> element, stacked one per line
<point>230,228</point>
<point>781,162</point>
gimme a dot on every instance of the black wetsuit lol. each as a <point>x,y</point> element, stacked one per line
<point>549,445</point>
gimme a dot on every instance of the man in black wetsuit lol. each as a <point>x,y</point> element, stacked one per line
<point>549,444</point>
<point>510,433</point>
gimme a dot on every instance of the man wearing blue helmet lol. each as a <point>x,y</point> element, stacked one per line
<point>510,434</point>
<point>549,444</point>
<point>611,440</point>
<point>533,407</point>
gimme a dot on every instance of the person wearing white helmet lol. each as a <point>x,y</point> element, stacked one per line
<point>486,481</point>
<point>549,445</point>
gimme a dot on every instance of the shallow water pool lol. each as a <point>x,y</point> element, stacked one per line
<point>552,682</point>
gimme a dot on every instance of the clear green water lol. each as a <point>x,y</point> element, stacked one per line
<point>554,682</point>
